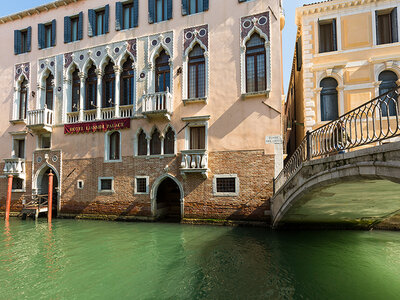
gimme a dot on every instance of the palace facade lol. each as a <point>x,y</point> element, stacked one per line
<point>143,109</point>
<point>347,53</point>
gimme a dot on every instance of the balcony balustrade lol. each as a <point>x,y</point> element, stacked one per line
<point>15,167</point>
<point>89,115</point>
<point>40,120</point>
<point>157,105</point>
<point>73,117</point>
<point>126,111</point>
<point>108,113</point>
<point>194,161</point>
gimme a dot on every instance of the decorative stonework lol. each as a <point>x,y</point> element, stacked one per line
<point>131,47</point>
<point>22,69</point>
<point>67,59</point>
<point>199,33</point>
<point>259,21</point>
<point>163,40</point>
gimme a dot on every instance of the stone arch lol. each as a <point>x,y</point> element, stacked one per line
<point>123,58</point>
<point>71,69</point>
<point>105,61</point>
<point>154,190</point>
<point>255,29</point>
<point>88,64</point>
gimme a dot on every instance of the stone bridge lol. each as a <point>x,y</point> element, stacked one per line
<point>354,189</point>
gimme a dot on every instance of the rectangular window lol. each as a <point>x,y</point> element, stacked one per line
<point>386,27</point>
<point>226,185</point>
<point>197,137</point>
<point>327,36</point>
<point>17,184</point>
<point>100,16</point>
<point>106,184</point>
<point>47,36</point>
<point>141,185</point>
<point>22,40</point>
<point>45,141</point>
<point>19,148</point>
<point>127,15</point>
<point>161,10</point>
<point>74,29</point>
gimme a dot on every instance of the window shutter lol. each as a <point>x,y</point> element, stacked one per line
<point>67,29</point>
<point>106,18</point>
<point>184,7</point>
<point>80,26</point>
<point>299,58</point>
<point>118,16</point>
<point>240,1</point>
<point>152,11</point>
<point>17,42</point>
<point>169,9</point>
<point>334,35</point>
<point>135,13</point>
<point>395,32</point>
<point>53,33</point>
<point>41,35</point>
<point>29,39</point>
<point>378,38</point>
<point>92,22</point>
<point>205,5</point>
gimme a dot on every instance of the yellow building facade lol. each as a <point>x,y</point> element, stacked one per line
<point>347,52</point>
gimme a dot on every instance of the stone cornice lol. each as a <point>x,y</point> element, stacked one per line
<point>330,6</point>
<point>36,10</point>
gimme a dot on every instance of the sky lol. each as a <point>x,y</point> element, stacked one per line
<point>289,32</point>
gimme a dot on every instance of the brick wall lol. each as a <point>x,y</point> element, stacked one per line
<point>254,170</point>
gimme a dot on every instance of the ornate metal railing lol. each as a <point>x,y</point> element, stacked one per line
<point>372,122</point>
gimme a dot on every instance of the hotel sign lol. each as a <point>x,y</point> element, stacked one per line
<point>90,127</point>
<point>273,139</point>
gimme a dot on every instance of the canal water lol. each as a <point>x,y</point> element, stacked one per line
<point>112,260</point>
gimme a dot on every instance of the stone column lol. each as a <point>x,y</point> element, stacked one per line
<point>67,99</point>
<point>117,71</point>
<point>82,77</point>
<point>148,145</point>
<point>162,144</point>
<point>99,74</point>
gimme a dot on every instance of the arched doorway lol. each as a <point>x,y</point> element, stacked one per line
<point>168,200</point>
<point>42,185</point>
<point>329,99</point>
<point>389,103</point>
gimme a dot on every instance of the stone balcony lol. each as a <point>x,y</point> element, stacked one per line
<point>40,120</point>
<point>157,105</point>
<point>105,113</point>
<point>194,161</point>
<point>15,167</point>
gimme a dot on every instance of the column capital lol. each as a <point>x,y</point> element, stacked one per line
<point>99,73</point>
<point>82,75</point>
<point>117,70</point>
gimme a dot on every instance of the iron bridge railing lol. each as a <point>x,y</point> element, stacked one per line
<point>372,122</point>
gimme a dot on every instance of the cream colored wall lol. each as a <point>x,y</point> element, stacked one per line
<point>357,63</point>
<point>235,124</point>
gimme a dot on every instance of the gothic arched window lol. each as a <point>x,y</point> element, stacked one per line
<point>91,89</point>
<point>196,74</point>
<point>142,143</point>
<point>329,99</point>
<point>109,86</point>
<point>23,100</point>
<point>127,83</point>
<point>163,80</point>
<point>76,90</point>
<point>255,64</point>
<point>155,143</point>
<point>114,149</point>
<point>169,142</point>
<point>49,91</point>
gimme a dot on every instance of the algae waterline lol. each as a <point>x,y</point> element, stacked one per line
<point>112,260</point>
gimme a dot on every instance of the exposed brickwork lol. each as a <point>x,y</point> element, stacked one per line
<point>254,170</point>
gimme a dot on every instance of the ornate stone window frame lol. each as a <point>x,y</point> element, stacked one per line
<point>226,194</point>
<point>202,41</point>
<point>196,122</point>
<point>245,36</point>
<point>20,75</point>
<point>163,133</point>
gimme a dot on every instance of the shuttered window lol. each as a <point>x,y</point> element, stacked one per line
<point>73,28</point>
<point>22,40</point>
<point>47,35</point>
<point>126,15</point>
<point>386,27</point>
<point>160,10</point>
<point>194,6</point>
<point>327,36</point>
<point>98,21</point>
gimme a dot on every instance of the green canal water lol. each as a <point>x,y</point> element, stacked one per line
<point>112,260</point>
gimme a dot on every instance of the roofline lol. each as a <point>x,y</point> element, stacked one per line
<point>36,10</point>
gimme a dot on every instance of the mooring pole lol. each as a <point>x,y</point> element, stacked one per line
<point>50,198</point>
<point>8,200</point>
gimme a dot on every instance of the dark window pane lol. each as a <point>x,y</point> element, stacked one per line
<point>142,144</point>
<point>326,37</point>
<point>141,185</point>
<point>385,28</point>
<point>329,99</point>
<point>17,184</point>
<point>114,146</point>
<point>49,92</point>
<point>169,142</point>
<point>106,184</point>
<point>226,185</point>
<point>155,143</point>
<point>390,101</point>
<point>197,137</point>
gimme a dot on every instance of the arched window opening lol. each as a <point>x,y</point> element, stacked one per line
<point>23,100</point>
<point>197,74</point>
<point>91,89</point>
<point>114,149</point>
<point>389,102</point>
<point>142,143</point>
<point>155,143</point>
<point>329,99</point>
<point>49,91</point>
<point>109,86</point>
<point>163,80</point>
<point>127,83</point>
<point>76,90</point>
<point>255,64</point>
<point>169,142</point>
